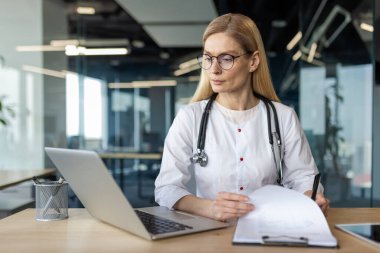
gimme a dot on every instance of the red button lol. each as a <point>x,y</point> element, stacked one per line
<point>241,188</point>
<point>241,158</point>
<point>239,130</point>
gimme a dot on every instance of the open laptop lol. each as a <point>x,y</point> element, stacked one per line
<point>97,190</point>
<point>369,232</point>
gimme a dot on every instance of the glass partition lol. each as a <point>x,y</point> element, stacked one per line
<point>335,96</point>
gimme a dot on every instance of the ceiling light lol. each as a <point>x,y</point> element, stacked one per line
<point>193,78</point>
<point>75,51</point>
<point>366,27</point>
<point>39,48</point>
<point>297,55</point>
<point>63,43</point>
<point>188,63</point>
<point>164,55</point>
<point>179,72</point>
<point>294,41</point>
<point>85,10</point>
<point>48,72</point>
<point>104,42</point>
<point>143,84</point>
<point>311,55</point>
<point>279,23</point>
<point>138,43</point>
<point>314,61</point>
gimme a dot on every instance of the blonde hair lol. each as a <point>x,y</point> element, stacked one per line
<point>244,31</point>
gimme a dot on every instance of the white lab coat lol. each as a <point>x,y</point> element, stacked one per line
<point>239,161</point>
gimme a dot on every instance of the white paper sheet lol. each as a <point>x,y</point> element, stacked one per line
<point>284,216</point>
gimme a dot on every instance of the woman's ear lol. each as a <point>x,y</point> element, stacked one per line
<point>255,61</point>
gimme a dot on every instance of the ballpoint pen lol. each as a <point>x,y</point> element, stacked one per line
<point>315,186</point>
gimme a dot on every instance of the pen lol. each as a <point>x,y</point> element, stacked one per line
<point>35,180</point>
<point>315,186</point>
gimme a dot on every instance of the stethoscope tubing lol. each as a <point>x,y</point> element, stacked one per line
<point>201,157</point>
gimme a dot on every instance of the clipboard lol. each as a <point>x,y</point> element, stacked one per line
<point>300,223</point>
<point>284,241</point>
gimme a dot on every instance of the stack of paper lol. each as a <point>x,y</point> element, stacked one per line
<point>283,217</point>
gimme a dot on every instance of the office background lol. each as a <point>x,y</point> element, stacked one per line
<point>323,57</point>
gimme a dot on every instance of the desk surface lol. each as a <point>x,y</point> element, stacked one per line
<point>12,177</point>
<point>81,233</point>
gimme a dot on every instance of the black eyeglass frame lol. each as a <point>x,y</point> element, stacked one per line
<point>199,59</point>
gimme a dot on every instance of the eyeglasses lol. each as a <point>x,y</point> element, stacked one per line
<point>225,61</point>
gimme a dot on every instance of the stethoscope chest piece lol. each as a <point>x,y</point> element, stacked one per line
<point>200,157</point>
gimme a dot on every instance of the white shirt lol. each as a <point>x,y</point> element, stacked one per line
<point>240,158</point>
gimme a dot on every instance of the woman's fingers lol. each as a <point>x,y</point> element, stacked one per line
<point>230,205</point>
<point>323,203</point>
<point>235,205</point>
<point>232,196</point>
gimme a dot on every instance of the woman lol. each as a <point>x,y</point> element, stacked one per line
<point>240,159</point>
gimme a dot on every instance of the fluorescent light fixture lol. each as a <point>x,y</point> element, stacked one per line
<point>311,55</point>
<point>179,72</point>
<point>294,41</point>
<point>104,42</point>
<point>143,84</point>
<point>39,48</point>
<point>314,61</point>
<point>71,50</point>
<point>85,10</point>
<point>297,55</point>
<point>193,78</point>
<point>164,55</point>
<point>67,72</point>
<point>138,43</point>
<point>279,23</point>
<point>91,42</point>
<point>367,27</point>
<point>44,71</point>
<point>63,43</point>
<point>188,64</point>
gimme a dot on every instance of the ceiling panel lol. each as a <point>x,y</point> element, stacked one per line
<point>152,11</point>
<point>176,35</point>
<point>172,23</point>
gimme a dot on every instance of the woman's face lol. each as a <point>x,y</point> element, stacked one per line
<point>236,79</point>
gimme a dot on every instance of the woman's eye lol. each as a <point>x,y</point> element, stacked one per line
<point>227,59</point>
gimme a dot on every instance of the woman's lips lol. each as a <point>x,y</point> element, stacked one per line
<point>215,81</point>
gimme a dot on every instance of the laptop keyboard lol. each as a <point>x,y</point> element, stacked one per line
<point>158,225</point>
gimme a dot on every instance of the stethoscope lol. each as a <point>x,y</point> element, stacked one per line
<point>201,157</point>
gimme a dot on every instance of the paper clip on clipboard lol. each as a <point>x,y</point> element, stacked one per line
<point>284,240</point>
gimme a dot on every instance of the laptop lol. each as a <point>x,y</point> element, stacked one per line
<point>370,232</point>
<point>101,196</point>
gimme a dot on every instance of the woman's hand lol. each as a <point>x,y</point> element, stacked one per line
<point>229,205</point>
<point>322,202</point>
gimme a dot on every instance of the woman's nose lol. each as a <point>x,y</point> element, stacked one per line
<point>215,68</point>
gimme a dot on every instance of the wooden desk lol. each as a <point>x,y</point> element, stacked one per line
<point>82,233</point>
<point>12,177</point>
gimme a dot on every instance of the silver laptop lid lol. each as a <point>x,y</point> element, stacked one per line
<point>96,189</point>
